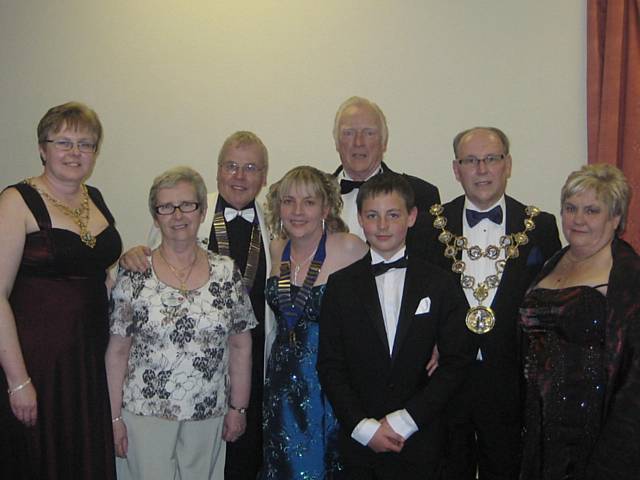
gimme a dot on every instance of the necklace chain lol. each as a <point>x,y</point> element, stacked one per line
<point>458,243</point>
<point>183,282</point>
<point>299,265</point>
<point>80,215</point>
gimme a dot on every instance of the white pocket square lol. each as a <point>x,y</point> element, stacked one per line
<point>424,306</point>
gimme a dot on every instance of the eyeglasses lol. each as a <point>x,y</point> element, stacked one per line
<point>67,145</point>
<point>489,160</point>
<point>248,169</point>
<point>169,208</point>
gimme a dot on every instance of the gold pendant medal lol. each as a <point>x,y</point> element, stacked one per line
<point>480,319</point>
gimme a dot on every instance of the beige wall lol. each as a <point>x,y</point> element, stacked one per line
<point>171,79</point>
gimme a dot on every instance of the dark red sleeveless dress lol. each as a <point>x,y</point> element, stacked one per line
<point>60,305</point>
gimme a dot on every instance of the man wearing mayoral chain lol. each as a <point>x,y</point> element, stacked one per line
<point>495,245</point>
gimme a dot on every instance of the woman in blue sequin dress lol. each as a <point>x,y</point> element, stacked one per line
<point>581,321</point>
<point>300,430</point>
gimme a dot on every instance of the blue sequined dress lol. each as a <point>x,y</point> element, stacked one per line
<point>565,371</point>
<point>300,429</point>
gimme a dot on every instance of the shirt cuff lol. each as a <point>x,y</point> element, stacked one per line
<point>365,430</point>
<point>402,423</point>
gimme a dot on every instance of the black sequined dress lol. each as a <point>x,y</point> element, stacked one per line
<point>564,367</point>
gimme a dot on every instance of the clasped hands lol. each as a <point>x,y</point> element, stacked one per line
<point>386,439</point>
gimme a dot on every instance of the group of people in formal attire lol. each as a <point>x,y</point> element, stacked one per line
<point>353,327</point>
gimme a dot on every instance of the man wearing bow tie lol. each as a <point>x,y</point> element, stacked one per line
<point>485,416</point>
<point>360,133</point>
<point>234,226</point>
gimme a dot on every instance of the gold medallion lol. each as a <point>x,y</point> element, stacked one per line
<point>480,319</point>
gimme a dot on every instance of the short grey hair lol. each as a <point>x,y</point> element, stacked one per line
<point>361,101</point>
<point>171,178</point>
<point>608,183</point>
<point>496,131</point>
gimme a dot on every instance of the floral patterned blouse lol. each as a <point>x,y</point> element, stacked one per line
<point>178,363</point>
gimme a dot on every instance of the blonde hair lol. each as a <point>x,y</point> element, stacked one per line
<point>320,184</point>
<point>608,183</point>
<point>243,138</point>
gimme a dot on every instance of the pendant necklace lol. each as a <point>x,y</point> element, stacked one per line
<point>182,280</point>
<point>299,265</point>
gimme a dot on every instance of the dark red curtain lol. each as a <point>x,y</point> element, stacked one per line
<point>613,94</point>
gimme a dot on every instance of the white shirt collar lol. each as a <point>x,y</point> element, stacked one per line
<point>377,258</point>
<point>346,176</point>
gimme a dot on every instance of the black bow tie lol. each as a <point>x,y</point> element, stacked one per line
<point>347,186</point>
<point>474,217</point>
<point>382,267</point>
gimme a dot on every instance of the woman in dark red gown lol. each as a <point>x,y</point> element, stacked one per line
<point>58,240</point>
<point>581,321</point>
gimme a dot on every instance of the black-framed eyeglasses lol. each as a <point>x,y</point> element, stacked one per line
<point>489,160</point>
<point>248,169</point>
<point>67,145</point>
<point>169,208</point>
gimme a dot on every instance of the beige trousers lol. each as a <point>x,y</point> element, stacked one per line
<point>173,450</point>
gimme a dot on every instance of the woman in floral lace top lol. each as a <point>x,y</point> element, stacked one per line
<point>179,357</point>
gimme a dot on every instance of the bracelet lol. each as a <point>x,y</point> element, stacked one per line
<point>117,419</point>
<point>11,391</point>
<point>241,411</point>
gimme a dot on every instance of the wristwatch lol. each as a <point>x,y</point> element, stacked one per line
<point>241,411</point>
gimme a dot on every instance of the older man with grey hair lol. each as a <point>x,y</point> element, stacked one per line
<point>361,136</point>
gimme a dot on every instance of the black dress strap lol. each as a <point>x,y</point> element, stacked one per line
<point>35,203</point>
<point>601,285</point>
<point>96,197</point>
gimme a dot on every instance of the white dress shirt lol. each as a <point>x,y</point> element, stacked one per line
<point>390,287</point>
<point>483,234</point>
<point>350,209</point>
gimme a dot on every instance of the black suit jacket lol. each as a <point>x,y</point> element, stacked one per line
<point>426,195</point>
<point>362,380</point>
<point>501,347</point>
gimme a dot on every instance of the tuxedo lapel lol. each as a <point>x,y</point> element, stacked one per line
<point>454,212</point>
<point>367,293</point>
<point>514,217</point>
<point>411,296</point>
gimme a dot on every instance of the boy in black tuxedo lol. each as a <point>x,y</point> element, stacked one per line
<point>379,322</point>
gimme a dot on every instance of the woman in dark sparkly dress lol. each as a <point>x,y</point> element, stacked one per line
<point>58,240</point>
<point>581,321</point>
<point>300,430</point>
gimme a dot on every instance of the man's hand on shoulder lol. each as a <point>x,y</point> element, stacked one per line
<point>135,259</point>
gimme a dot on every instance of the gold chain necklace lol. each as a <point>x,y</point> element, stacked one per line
<point>183,282</point>
<point>80,215</point>
<point>481,319</point>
